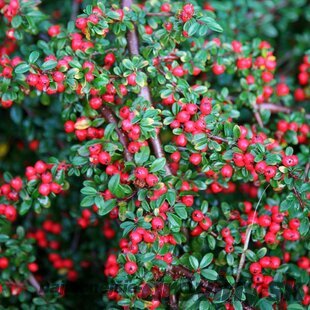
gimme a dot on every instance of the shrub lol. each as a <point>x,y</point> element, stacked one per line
<point>157,160</point>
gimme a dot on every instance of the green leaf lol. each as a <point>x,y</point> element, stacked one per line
<point>261,252</point>
<point>142,156</point>
<point>221,296</point>
<point>38,301</point>
<point>4,238</point>
<point>89,191</point>
<point>180,210</point>
<point>212,24</point>
<point>193,29</point>
<point>206,260</point>
<point>107,207</point>
<point>209,274</point>
<point>295,307</point>
<point>171,197</point>
<point>87,201</point>
<point>49,65</point>
<point>22,68</point>
<point>194,262</point>
<point>33,57</point>
<point>117,189</point>
<point>16,114</point>
<point>175,221</point>
<point>237,305</point>
<point>16,21</point>
<point>264,304</point>
<point>128,64</point>
<point>158,164</point>
<point>25,206</point>
<point>236,132</point>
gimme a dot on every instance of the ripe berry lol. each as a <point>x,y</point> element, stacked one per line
<point>187,12</point>
<point>4,263</point>
<point>95,103</point>
<point>44,189</point>
<point>151,180</point>
<point>131,79</point>
<point>141,173</point>
<point>264,220</point>
<point>227,171</point>
<point>255,268</point>
<point>104,158</point>
<point>165,7</point>
<point>195,159</point>
<point>33,267</point>
<point>157,223</point>
<point>197,216</point>
<point>218,69</point>
<point>294,224</point>
<point>206,223</point>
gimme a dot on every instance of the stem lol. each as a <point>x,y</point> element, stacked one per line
<point>75,9</point>
<point>307,171</point>
<point>159,14</point>
<point>298,197</point>
<point>247,240</point>
<point>33,281</point>
<point>274,108</point>
<point>133,45</point>
<point>173,302</point>
<point>258,119</point>
<point>180,270</point>
<point>218,138</point>
<point>109,117</point>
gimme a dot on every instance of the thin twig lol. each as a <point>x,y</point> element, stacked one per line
<point>109,116</point>
<point>218,138</point>
<point>247,239</point>
<point>182,271</point>
<point>258,119</point>
<point>33,281</point>
<point>74,10</point>
<point>275,108</point>
<point>133,45</point>
<point>75,240</point>
<point>160,14</point>
<point>307,171</point>
<point>173,302</point>
<point>298,197</point>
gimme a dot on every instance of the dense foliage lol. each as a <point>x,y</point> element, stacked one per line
<point>154,154</point>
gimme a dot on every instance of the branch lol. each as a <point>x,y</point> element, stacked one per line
<point>33,281</point>
<point>274,108</point>
<point>307,171</point>
<point>210,287</point>
<point>109,117</point>
<point>133,45</point>
<point>258,119</point>
<point>297,195</point>
<point>75,9</point>
<point>182,271</point>
<point>247,240</point>
<point>173,302</point>
<point>161,14</point>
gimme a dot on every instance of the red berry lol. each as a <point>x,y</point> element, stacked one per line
<point>157,223</point>
<point>195,159</point>
<point>227,171</point>
<point>4,263</point>
<point>197,216</point>
<point>255,268</point>
<point>141,173</point>
<point>104,158</point>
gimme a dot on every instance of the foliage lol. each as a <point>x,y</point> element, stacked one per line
<point>153,157</point>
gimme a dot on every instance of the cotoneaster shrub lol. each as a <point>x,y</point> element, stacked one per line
<point>150,161</point>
